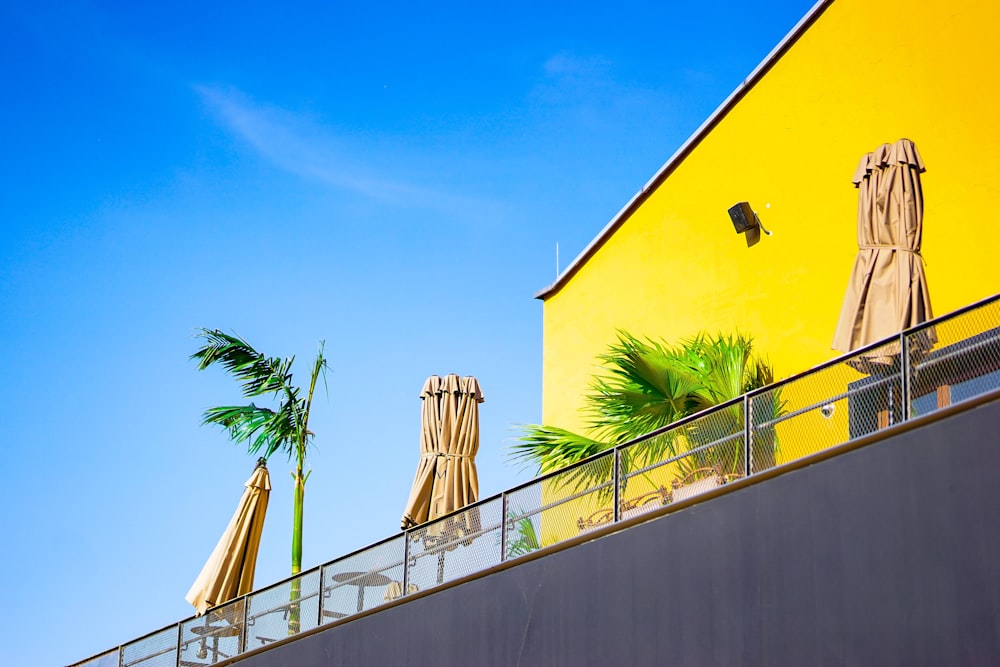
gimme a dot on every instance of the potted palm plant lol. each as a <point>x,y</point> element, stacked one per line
<point>649,384</point>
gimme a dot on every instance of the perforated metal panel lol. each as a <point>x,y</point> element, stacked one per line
<point>561,505</point>
<point>682,462</point>
<point>363,580</point>
<point>155,650</point>
<point>450,548</point>
<point>827,407</point>
<point>215,636</point>
<point>283,610</point>
<point>957,358</point>
<point>109,659</point>
<point>523,528</point>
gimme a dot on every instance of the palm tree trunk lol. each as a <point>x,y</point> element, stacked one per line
<point>294,622</point>
<point>302,438</point>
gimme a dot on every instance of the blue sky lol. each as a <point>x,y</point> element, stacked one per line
<point>390,178</point>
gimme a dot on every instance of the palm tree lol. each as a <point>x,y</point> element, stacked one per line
<point>266,431</point>
<point>647,385</point>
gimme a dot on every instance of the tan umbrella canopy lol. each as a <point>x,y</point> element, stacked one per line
<point>446,478</point>
<point>888,289</point>
<point>229,570</point>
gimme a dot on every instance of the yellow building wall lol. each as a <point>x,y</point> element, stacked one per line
<point>863,74</point>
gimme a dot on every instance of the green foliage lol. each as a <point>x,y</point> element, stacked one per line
<point>552,448</point>
<point>523,538</point>
<point>646,385</point>
<point>285,427</point>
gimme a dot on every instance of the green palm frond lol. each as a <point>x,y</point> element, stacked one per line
<point>522,535</point>
<point>261,428</point>
<point>649,384</point>
<point>728,360</point>
<point>551,448</point>
<point>257,373</point>
<point>284,428</point>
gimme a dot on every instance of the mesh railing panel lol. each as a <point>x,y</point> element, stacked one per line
<point>363,580</point>
<point>283,610</point>
<point>214,636</point>
<point>156,650</point>
<point>827,407</point>
<point>109,659</point>
<point>524,521</point>
<point>450,548</point>
<point>954,360</point>
<point>682,462</point>
<point>563,505</point>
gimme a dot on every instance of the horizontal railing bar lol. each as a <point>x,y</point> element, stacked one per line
<point>826,401</point>
<point>562,501</point>
<point>940,319</point>
<point>446,546</point>
<point>677,457</point>
<point>948,356</point>
<point>284,606</point>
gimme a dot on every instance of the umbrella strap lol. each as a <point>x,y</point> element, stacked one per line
<point>447,456</point>
<point>877,246</point>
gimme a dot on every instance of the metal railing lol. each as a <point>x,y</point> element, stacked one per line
<point>952,358</point>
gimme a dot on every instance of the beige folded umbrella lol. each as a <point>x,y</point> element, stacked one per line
<point>887,291</point>
<point>230,569</point>
<point>446,478</point>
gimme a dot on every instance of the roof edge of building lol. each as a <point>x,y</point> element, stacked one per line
<point>671,164</point>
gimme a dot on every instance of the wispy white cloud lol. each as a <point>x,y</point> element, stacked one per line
<point>564,65</point>
<point>589,91</point>
<point>298,145</point>
<point>574,80</point>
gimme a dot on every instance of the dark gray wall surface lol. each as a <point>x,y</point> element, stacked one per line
<point>885,555</point>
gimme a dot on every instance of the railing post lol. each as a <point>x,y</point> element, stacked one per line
<point>319,599</point>
<point>180,642</point>
<point>245,629</point>
<point>617,482</point>
<point>503,526</point>
<point>747,437</point>
<point>406,560</point>
<point>904,376</point>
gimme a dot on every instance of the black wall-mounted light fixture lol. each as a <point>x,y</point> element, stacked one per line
<point>745,220</point>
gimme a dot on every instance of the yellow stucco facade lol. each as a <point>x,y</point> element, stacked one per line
<point>858,74</point>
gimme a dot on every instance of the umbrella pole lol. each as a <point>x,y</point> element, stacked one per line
<point>441,567</point>
<point>203,649</point>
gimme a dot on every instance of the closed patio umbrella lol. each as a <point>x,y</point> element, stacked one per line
<point>887,291</point>
<point>230,569</point>
<point>446,478</point>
